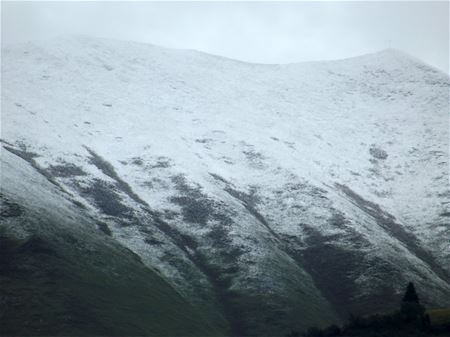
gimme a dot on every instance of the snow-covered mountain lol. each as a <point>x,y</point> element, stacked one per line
<point>274,197</point>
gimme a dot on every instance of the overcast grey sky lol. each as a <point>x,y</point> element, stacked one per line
<point>264,32</point>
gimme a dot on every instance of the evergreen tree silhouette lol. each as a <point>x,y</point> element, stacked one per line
<point>411,310</point>
<point>410,294</point>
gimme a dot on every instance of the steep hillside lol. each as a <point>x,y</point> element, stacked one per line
<point>59,275</point>
<point>269,196</point>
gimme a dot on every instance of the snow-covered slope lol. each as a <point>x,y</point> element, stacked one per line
<point>294,194</point>
<point>60,275</point>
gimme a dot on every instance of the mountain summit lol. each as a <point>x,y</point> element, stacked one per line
<point>259,198</point>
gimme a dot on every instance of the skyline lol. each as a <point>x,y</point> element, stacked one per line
<point>257,32</point>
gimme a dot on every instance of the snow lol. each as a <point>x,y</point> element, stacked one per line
<point>261,127</point>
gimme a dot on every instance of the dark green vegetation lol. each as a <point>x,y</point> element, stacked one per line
<point>64,273</point>
<point>8,208</point>
<point>64,283</point>
<point>410,321</point>
<point>107,199</point>
<point>66,170</point>
<point>109,171</point>
<point>28,156</point>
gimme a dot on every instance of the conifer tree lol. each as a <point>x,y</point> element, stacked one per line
<point>410,294</point>
<point>411,309</point>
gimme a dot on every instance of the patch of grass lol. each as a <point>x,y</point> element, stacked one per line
<point>66,170</point>
<point>109,170</point>
<point>439,316</point>
<point>60,284</point>
<point>9,208</point>
<point>196,206</point>
<point>104,228</point>
<point>29,157</point>
<point>106,198</point>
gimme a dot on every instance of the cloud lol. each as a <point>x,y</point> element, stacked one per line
<point>264,32</point>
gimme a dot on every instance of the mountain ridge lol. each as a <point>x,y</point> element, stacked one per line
<point>392,53</point>
<point>277,192</point>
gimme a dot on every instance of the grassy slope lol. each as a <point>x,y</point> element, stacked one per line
<point>439,316</point>
<point>61,284</point>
